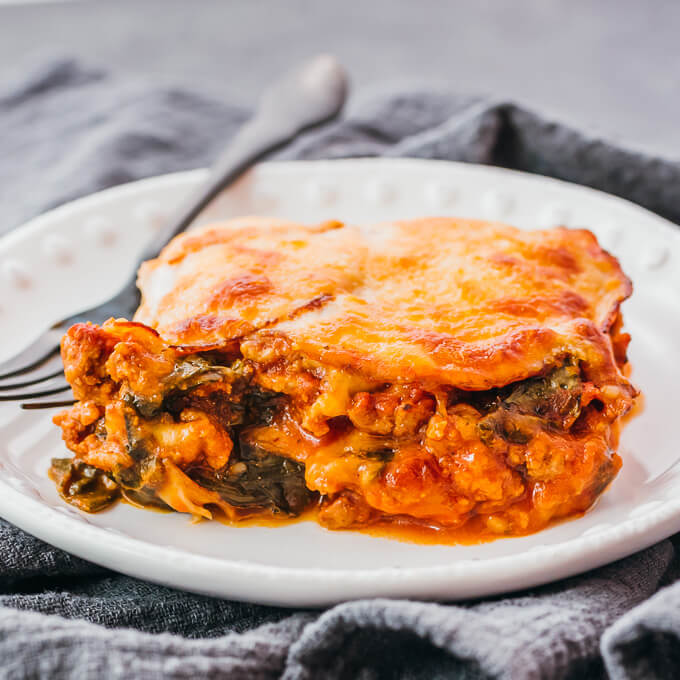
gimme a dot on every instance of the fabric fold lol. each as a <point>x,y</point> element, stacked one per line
<point>39,646</point>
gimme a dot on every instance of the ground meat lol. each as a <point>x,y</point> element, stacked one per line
<point>142,371</point>
<point>84,350</point>
<point>345,510</point>
<point>399,410</point>
<point>77,423</point>
<point>216,400</point>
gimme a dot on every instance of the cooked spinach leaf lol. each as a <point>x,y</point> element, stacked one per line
<point>146,473</point>
<point>188,373</point>
<point>193,371</point>
<point>384,455</point>
<point>260,406</point>
<point>556,397</point>
<point>517,411</point>
<point>146,497</point>
<point>145,407</point>
<point>84,486</point>
<point>258,479</point>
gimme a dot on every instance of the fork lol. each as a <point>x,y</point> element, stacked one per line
<point>306,97</point>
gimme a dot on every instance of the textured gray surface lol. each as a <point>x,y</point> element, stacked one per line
<point>69,130</point>
<point>611,66</point>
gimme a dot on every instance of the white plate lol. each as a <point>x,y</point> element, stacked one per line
<point>77,255</point>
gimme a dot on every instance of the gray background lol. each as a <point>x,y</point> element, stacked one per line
<point>609,66</point>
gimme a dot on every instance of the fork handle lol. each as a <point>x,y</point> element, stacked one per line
<point>301,99</point>
<point>262,134</point>
<point>256,138</point>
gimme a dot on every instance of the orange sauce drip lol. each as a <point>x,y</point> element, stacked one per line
<point>473,532</point>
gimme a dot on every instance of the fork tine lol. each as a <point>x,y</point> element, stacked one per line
<point>35,395</point>
<point>38,405</point>
<point>33,381</point>
<point>36,354</point>
<point>44,356</point>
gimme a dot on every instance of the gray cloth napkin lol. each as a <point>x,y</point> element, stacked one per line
<point>67,130</point>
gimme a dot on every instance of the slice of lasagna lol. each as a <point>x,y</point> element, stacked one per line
<point>432,372</point>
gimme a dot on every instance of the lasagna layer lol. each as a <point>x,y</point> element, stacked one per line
<point>430,372</point>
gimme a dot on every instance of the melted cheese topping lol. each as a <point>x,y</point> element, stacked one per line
<point>441,300</point>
